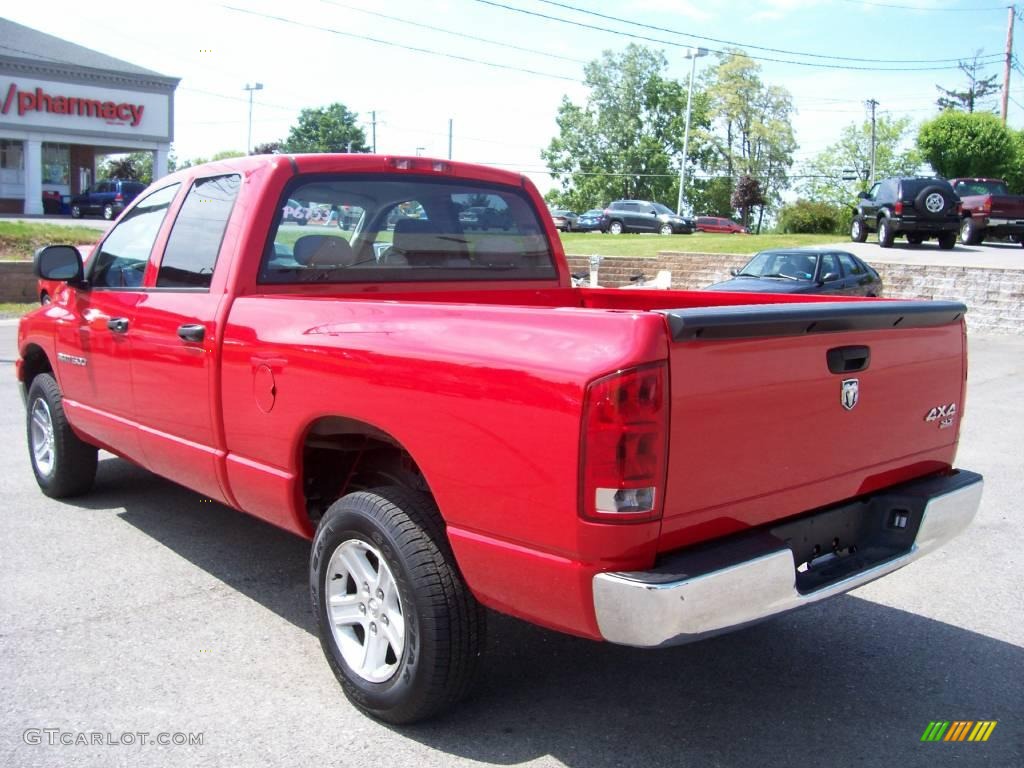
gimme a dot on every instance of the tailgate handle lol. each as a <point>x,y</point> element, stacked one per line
<point>848,359</point>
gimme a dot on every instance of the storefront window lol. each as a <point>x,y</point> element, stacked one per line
<point>56,163</point>
<point>10,155</point>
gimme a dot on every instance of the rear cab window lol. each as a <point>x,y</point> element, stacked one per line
<point>355,229</point>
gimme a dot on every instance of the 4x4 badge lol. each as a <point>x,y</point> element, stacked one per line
<point>850,393</point>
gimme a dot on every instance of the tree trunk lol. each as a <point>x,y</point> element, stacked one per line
<point>760,218</point>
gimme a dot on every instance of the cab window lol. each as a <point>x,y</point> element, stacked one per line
<point>194,242</point>
<point>121,261</point>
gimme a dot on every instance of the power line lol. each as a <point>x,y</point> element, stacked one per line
<point>929,9</point>
<point>422,25</point>
<point>590,12</point>
<point>659,41</point>
<point>415,49</point>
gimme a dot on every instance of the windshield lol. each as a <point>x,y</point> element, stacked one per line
<point>964,188</point>
<point>662,208</point>
<point>791,265</point>
<point>381,228</point>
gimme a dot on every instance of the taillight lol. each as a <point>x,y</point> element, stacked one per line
<point>987,205</point>
<point>624,446</point>
<point>118,197</point>
<point>418,164</point>
<point>898,208</point>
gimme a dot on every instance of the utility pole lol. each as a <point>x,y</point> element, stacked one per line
<point>250,89</point>
<point>1012,11</point>
<point>692,54</point>
<point>450,138</point>
<point>871,104</point>
<point>373,130</point>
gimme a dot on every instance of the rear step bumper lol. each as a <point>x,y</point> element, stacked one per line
<point>746,578</point>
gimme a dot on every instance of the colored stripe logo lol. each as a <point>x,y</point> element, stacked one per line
<point>959,730</point>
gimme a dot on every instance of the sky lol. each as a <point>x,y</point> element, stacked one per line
<point>310,53</point>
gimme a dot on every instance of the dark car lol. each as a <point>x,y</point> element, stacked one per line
<point>105,198</point>
<point>565,221</point>
<point>591,221</point>
<point>807,270</point>
<point>718,224</point>
<point>918,208</point>
<point>645,216</point>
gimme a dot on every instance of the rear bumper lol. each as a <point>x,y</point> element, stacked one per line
<point>999,226</point>
<point>747,578</point>
<point>913,225</point>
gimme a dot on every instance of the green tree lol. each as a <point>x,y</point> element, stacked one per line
<point>746,195</point>
<point>1014,172</point>
<point>894,156</point>
<point>326,129</point>
<point>710,196</point>
<point>977,89</point>
<point>267,148</point>
<point>136,166</point>
<point>964,144</point>
<point>751,132</point>
<point>626,140</point>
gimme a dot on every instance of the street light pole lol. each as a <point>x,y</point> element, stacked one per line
<point>250,89</point>
<point>692,54</point>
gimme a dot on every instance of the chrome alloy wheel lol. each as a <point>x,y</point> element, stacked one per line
<point>42,437</point>
<point>365,611</point>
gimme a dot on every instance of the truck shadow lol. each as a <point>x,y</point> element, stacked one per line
<point>852,681</point>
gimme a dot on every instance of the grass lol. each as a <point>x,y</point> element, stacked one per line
<point>19,240</point>
<point>586,243</point>
<point>15,309</point>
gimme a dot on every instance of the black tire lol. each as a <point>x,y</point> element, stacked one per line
<point>44,298</point>
<point>915,239</point>
<point>886,234</point>
<point>921,202</point>
<point>970,232</point>
<point>445,627</point>
<point>858,230</point>
<point>76,212</point>
<point>947,241</point>
<point>71,470</point>
<point>616,227</point>
<point>108,212</point>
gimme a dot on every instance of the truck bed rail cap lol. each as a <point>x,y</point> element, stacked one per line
<point>757,320</point>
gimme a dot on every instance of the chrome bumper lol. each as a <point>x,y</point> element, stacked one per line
<point>732,585</point>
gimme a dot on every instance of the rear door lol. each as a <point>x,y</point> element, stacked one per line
<point>766,424</point>
<point>175,341</point>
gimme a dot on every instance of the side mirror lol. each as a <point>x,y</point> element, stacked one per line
<point>863,196</point>
<point>58,262</point>
<point>734,271</point>
<point>829,277</point>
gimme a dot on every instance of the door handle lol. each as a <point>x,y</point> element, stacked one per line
<point>191,332</point>
<point>118,324</point>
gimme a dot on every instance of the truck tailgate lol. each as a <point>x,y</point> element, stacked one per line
<point>1007,207</point>
<point>780,409</point>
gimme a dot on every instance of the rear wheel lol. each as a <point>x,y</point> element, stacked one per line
<point>76,212</point>
<point>886,234</point>
<point>397,623</point>
<point>947,240</point>
<point>108,212</point>
<point>616,228</point>
<point>63,464</point>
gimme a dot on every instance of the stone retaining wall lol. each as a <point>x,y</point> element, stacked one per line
<point>994,297</point>
<point>17,283</point>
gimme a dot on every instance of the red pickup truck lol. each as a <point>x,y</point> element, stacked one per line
<point>455,426</point>
<point>989,210</point>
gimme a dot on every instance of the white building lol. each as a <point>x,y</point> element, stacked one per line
<point>62,106</point>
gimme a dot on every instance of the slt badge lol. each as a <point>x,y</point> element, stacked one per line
<point>850,393</point>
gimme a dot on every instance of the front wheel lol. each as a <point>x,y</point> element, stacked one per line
<point>970,232</point>
<point>616,228</point>
<point>947,241</point>
<point>858,232</point>
<point>63,464</point>
<point>400,628</point>
<point>666,229</point>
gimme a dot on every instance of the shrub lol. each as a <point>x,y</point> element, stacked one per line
<point>806,217</point>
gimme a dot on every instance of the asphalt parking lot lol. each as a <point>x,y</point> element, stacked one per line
<point>142,608</point>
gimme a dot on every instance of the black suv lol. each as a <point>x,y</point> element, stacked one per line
<point>106,198</point>
<point>644,216</point>
<point>919,208</point>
